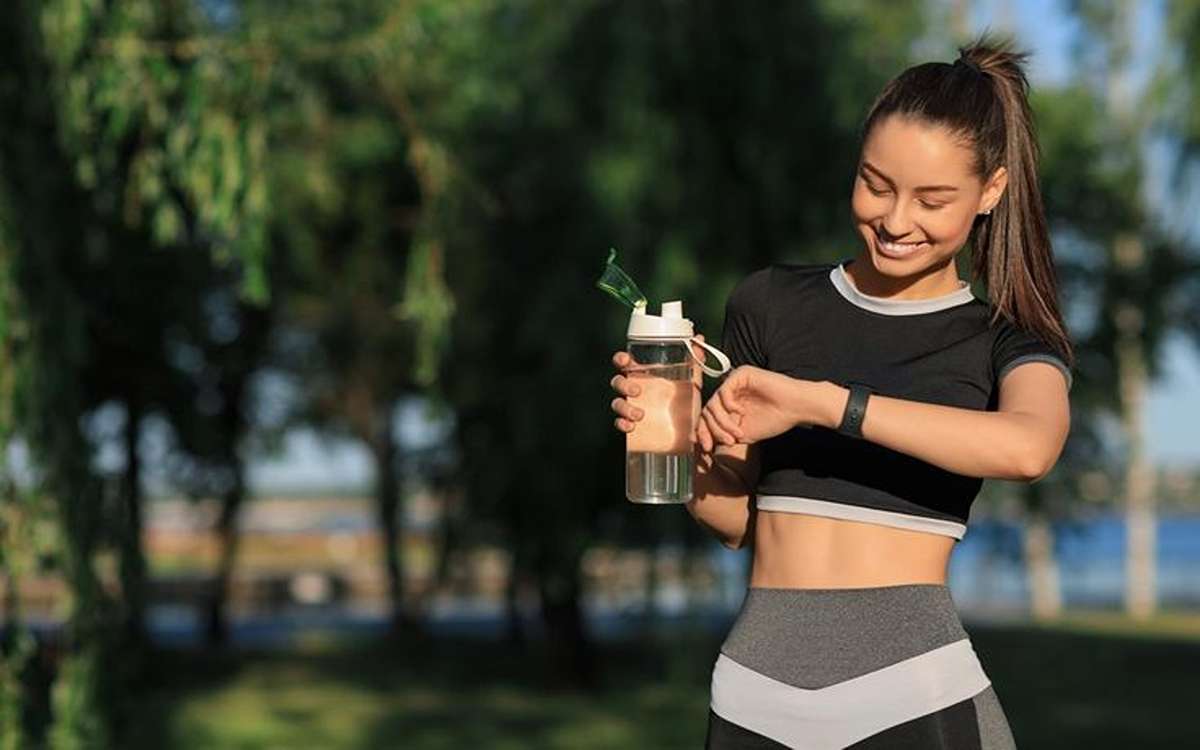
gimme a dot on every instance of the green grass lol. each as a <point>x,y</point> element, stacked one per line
<point>441,695</point>
<point>1169,625</point>
<point>1091,681</point>
<point>1097,680</point>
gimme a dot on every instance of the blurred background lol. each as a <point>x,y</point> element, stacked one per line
<point>304,391</point>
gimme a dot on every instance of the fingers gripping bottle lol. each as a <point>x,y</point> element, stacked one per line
<point>659,452</point>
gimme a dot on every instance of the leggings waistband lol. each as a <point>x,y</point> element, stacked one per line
<point>812,638</point>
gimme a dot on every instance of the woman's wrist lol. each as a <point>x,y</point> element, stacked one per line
<point>717,476</point>
<point>822,404</point>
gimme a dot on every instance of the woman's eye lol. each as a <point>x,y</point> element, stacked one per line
<point>875,189</point>
<point>932,206</point>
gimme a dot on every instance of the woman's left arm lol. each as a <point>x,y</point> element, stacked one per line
<point>1020,441</point>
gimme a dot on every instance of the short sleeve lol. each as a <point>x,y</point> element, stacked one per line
<point>743,337</point>
<point>1016,346</point>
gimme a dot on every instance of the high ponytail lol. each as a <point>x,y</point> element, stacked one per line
<point>984,97</point>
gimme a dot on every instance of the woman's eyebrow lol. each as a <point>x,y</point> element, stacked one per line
<point>923,189</point>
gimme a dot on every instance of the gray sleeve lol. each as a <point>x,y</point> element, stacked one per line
<point>1049,359</point>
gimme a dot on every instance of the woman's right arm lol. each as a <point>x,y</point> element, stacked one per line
<point>723,499</point>
<point>722,481</point>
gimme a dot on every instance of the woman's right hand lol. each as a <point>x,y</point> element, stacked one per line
<point>628,415</point>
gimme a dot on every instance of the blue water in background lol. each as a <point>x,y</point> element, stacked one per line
<point>987,569</point>
<point>987,580</point>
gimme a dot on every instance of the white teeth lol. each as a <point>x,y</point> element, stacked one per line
<point>901,248</point>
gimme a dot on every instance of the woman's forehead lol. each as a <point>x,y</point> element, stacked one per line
<point>912,151</point>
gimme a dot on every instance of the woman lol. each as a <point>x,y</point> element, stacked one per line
<point>871,399</point>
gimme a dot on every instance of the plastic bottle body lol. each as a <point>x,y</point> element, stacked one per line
<point>659,453</point>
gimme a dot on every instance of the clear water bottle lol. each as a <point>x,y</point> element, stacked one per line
<point>659,452</point>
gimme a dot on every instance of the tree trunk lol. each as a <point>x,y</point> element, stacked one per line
<point>1128,256</point>
<point>521,573</point>
<point>133,560</point>
<point>1141,584</point>
<point>514,624</point>
<point>571,650</point>
<point>218,630</point>
<point>960,19</point>
<point>449,532</point>
<point>652,584</point>
<point>1045,592</point>
<point>84,693</point>
<point>387,503</point>
<point>689,565</point>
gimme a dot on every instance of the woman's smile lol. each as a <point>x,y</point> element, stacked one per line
<point>899,250</point>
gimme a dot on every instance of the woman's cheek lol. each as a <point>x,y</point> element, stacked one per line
<point>865,206</point>
<point>948,229</point>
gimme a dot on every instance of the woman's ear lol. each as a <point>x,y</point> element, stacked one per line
<point>992,190</point>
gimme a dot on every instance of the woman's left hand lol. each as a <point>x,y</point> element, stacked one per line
<point>753,404</point>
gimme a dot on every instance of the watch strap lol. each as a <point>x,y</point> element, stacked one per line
<point>856,410</point>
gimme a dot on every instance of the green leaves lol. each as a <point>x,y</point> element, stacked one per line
<point>164,126</point>
<point>428,305</point>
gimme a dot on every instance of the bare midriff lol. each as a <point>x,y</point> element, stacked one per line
<point>801,551</point>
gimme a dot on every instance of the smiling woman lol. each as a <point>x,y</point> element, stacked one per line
<point>870,400</point>
<point>915,200</point>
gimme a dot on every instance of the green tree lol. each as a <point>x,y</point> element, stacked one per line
<point>1179,88</point>
<point>1140,271</point>
<point>702,142</point>
<point>1124,278</point>
<point>115,139</point>
<point>212,414</point>
<point>366,304</point>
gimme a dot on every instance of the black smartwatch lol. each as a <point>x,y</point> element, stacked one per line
<point>856,410</point>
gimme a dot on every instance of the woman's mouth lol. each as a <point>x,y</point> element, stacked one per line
<point>899,249</point>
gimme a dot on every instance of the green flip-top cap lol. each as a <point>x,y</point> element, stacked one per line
<point>617,283</point>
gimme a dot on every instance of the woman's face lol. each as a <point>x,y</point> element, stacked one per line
<point>916,195</point>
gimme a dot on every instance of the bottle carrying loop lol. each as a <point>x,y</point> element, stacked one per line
<point>722,358</point>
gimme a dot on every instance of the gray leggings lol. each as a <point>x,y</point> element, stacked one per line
<point>883,667</point>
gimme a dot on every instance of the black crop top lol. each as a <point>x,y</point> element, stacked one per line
<point>809,321</point>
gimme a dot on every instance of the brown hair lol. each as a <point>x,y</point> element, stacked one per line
<point>984,98</point>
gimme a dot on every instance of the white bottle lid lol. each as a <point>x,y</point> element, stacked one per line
<point>670,325</point>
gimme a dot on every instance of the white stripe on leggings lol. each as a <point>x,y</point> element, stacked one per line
<point>839,715</point>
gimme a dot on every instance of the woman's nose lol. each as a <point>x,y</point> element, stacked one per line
<point>896,222</point>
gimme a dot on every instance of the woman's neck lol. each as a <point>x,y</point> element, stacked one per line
<point>937,281</point>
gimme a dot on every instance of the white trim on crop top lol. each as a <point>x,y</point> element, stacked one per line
<point>886,306</point>
<point>835,509</point>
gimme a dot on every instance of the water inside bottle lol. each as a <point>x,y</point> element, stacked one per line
<point>659,452</point>
<point>659,477</point>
